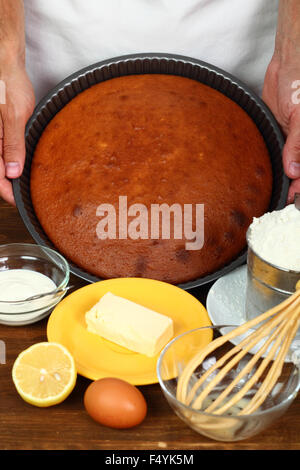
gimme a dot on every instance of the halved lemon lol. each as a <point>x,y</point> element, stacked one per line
<point>44,374</point>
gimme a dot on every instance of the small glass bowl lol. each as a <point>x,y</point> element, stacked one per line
<point>227,427</point>
<point>39,259</point>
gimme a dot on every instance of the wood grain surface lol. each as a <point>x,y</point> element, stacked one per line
<point>67,426</point>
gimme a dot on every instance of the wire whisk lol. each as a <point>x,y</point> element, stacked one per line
<point>272,338</point>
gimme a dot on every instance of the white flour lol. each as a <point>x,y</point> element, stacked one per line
<point>275,237</point>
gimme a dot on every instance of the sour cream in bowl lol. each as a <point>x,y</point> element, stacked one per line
<point>26,271</point>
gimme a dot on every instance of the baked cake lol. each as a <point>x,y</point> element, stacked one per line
<point>154,139</point>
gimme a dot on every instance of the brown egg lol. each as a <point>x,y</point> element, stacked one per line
<point>115,403</point>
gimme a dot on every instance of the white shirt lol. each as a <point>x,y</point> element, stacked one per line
<point>64,36</point>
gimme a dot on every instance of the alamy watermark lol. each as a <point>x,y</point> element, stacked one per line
<point>137,221</point>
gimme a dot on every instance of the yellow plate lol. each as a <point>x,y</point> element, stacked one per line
<point>96,357</point>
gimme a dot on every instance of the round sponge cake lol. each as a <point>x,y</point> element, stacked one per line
<point>152,140</point>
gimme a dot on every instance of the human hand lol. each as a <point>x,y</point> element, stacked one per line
<point>279,95</point>
<point>14,114</point>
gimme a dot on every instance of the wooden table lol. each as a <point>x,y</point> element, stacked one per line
<point>67,426</point>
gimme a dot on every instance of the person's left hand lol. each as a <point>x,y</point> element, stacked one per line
<point>281,97</point>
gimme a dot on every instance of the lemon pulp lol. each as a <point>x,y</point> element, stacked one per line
<point>44,374</point>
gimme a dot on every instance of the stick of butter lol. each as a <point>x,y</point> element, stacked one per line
<point>129,324</point>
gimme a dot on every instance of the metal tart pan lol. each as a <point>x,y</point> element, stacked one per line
<point>198,70</point>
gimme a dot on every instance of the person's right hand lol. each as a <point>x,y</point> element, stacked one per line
<point>14,114</point>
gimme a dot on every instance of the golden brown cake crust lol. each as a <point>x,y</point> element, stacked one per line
<point>155,139</point>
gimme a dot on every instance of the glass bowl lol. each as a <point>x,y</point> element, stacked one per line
<point>39,259</point>
<point>230,426</point>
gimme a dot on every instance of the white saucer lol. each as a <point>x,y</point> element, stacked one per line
<point>226,302</point>
<point>226,298</point>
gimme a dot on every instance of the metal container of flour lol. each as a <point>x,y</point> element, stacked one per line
<point>267,284</point>
<point>273,259</point>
